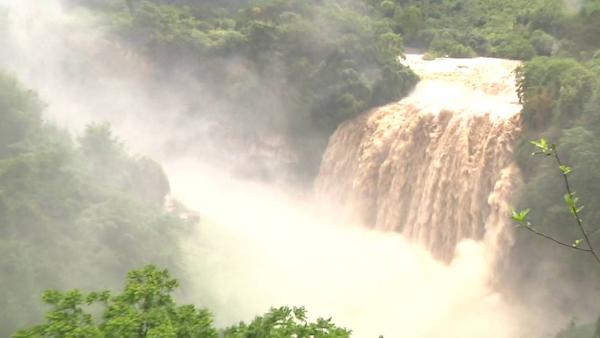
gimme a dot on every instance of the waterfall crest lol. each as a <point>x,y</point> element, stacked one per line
<point>438,165</point>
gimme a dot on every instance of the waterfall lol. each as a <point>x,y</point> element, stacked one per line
<point>259,245</point>
<point>438,165</point>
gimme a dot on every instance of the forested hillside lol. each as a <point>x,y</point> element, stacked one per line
<point>513,29</point>
<point>561,97</point>
<point>560,91</point>
<point>299,68</point>
<point>292,68</point>
<point>72,212</point>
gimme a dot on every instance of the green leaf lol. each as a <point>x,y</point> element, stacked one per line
<point>570,201</point>
<point>542,145</point>
<point>520,216</point>
<point>565,170</point>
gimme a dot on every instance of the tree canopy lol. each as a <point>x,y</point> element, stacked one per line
<point>145,308</point>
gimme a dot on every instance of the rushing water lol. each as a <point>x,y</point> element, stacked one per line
<point>438,165</point>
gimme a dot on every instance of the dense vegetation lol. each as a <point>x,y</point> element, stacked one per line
<point>512,29</point>
<point>299,68</point>
<point>72,212</point>
<point>561,97</point>
<point>145,308</point>
<point>296,68</point>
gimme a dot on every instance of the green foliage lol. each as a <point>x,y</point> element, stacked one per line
<point>448,48</point>
<point>285,33</point>
<point>105,156</point>
<point>175,28</point>
<point>72,213</point>
<point>66,318</point>
<point>543,43</point>
<point>409,21</point>
<point>514,29</point>
<point>520,216</point>
<point>322,61</point>
<point>559,221</point>
<point>553,91</point>
<point>561,97</point>
<point>514,47</point>
<point>145,308</point>
<point>388,8</point>
<point>571,201</point>
<point>465,28</point>
<point>286,322</point>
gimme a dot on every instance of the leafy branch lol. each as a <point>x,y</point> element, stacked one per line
<point>543,148</point>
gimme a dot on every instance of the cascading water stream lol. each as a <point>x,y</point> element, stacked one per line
<point>438,165</point>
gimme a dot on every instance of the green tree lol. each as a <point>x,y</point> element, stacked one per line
<point>145,308</point>
<point>409,21</point>
<point>553,91</point>
<point>286,322</point>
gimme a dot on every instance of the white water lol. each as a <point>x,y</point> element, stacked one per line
<point>474,87</point>
<point>258,246</point>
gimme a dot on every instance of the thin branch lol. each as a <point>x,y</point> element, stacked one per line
<point>574,209</point>
<point>556,240</point>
